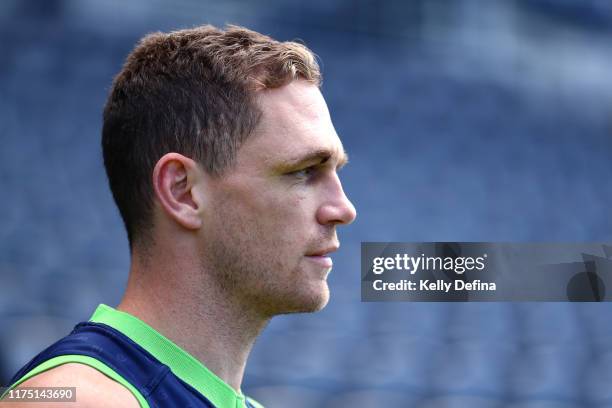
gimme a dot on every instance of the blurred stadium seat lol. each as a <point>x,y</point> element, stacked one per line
<point>451,136</point>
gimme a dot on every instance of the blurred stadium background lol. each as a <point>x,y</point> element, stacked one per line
<point>465,120</point>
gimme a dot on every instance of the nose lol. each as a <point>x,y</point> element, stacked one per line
<point>336,207</point>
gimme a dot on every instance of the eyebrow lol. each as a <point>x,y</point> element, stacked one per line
<point>313,157</point>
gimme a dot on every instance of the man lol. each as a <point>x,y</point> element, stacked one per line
<point>222,159</point>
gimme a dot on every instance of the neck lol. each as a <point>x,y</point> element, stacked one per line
<point>177,300</point>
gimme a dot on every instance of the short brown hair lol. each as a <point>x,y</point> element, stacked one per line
<point>191,92</point>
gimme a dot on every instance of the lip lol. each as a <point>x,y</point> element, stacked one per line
<point>321,257</point>
<point>323,252</point>
<point>322,260</point>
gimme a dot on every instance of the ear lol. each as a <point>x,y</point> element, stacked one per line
<point>174,179</point>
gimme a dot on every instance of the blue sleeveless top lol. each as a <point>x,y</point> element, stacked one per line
<point>154,369</point>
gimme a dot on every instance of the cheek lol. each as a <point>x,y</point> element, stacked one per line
<point>282,229</point>
<point>283,220</point>
<point>277,209</point>
<point>276,216</point>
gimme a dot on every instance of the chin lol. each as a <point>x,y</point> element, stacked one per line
<point>310,301</point>
<point>301,296</point>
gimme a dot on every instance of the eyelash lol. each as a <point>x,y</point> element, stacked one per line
<point>308,172</point>
<point>304,173</point>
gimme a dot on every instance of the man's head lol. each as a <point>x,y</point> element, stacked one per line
<point>222,138</point>
<point>190,92</point>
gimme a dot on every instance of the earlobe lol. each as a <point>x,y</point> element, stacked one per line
<point>174,179</point>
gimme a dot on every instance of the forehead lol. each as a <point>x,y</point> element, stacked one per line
<point>295,122</point>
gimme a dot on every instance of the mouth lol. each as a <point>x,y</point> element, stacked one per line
<point>322,256</point>
<point>324,251</point>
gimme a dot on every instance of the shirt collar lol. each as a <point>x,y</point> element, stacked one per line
<point>183,365</point>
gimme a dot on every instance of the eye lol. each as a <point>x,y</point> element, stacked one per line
<point>303,173</point>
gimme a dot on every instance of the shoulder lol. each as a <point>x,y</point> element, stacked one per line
<point>93,389</point>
